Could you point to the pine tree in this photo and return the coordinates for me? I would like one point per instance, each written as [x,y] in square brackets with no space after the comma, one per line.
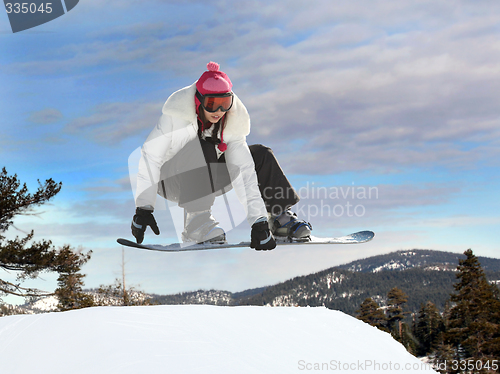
[369,311]
[25,257]
[428,328]
[474,320]
[396,298]
[70,282]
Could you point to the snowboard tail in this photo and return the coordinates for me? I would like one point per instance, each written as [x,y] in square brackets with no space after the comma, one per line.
[355,238]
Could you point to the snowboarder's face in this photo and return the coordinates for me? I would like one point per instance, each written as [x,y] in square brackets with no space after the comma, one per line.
[215,116]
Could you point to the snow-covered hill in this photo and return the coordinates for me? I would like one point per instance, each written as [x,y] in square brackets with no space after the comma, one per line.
[198,339]
[43,305]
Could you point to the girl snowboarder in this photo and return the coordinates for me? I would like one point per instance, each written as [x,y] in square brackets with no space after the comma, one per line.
[198,151]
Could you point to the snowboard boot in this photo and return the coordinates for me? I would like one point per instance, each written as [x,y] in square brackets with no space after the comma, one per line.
[201,227]
[289,226]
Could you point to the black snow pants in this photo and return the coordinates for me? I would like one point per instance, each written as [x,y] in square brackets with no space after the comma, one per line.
[195,176]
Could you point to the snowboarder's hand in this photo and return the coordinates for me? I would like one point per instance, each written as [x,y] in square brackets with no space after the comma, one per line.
[142,219]
[262,238]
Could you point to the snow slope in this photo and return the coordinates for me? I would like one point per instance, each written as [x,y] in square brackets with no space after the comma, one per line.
[198,339]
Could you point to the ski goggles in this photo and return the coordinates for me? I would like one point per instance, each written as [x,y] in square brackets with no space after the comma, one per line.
[213,102]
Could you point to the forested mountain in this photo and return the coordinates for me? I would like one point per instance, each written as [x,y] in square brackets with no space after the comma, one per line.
[424,275]
[345,290]
[426,259]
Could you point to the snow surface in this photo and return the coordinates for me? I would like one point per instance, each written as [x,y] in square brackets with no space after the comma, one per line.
[198,339]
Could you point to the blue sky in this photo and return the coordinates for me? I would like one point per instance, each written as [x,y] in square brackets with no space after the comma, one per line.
[399,97]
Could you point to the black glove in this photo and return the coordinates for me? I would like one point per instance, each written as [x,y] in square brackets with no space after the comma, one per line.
[262,238]
[142,219]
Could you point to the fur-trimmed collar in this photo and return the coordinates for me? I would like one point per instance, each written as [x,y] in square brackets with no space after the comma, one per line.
[181,105]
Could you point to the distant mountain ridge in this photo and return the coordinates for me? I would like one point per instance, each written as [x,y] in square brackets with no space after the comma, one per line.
[421,258]
[424,275]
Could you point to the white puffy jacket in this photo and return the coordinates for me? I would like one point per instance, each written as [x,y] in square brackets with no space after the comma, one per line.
[177,126]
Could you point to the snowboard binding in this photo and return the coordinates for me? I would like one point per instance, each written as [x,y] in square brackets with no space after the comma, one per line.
[288,228]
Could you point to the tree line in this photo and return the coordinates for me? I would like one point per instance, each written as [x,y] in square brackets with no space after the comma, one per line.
[345,290]
[463,338]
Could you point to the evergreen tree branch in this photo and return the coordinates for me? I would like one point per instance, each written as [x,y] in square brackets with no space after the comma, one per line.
[17,290]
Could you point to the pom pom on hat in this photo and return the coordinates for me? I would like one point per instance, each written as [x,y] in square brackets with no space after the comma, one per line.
[213,66]
[213,81]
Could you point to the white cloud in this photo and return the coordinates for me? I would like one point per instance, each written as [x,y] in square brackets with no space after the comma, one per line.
[45,116]
[110,123]
[409,99]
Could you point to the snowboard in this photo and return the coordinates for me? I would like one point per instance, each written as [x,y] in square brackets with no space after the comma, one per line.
[355,238]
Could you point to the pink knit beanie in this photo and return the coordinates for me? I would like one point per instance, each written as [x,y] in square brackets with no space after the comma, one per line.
[213,81]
